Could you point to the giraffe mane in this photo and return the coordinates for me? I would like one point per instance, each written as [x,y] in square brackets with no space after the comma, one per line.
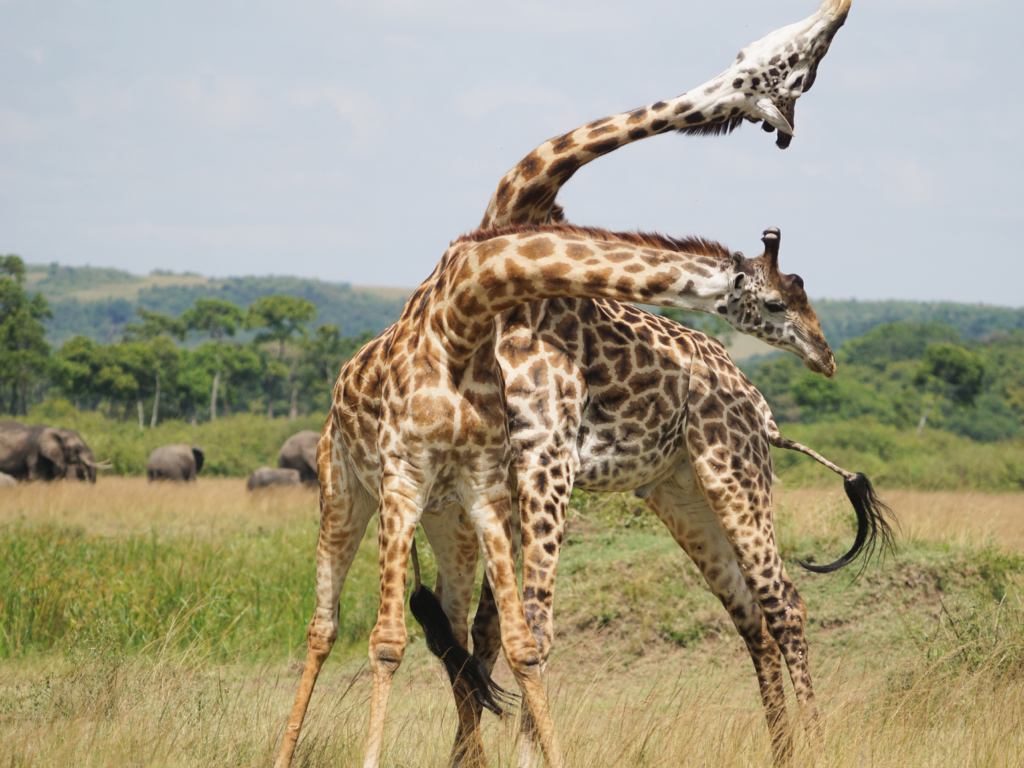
[694,245]
[712,129]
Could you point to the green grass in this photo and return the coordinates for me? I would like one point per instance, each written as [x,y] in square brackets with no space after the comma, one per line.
[894,459]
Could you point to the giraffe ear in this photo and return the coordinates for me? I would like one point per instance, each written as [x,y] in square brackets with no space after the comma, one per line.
[771,114]
[738,283]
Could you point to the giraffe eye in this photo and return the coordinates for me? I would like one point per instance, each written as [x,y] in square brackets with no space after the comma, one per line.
[775,306]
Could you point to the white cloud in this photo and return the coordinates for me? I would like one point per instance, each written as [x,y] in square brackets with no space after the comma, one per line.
[355,107]
[220,99]
[477,102]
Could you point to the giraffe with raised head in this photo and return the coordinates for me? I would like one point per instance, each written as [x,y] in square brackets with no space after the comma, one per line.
[350,470]
[762,84]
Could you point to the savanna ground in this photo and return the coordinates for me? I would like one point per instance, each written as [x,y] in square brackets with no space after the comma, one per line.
[163,626]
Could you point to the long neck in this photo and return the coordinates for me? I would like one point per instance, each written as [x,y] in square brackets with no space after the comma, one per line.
[486,277]
[526,194]
[763,83]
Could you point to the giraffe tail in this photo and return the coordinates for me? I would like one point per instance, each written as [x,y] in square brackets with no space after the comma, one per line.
[458,663]
[875,520]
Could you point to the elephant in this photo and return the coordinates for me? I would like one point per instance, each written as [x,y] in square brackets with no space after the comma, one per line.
[6,481]
[299,452]
[175,462]
[267,476]
[39,452]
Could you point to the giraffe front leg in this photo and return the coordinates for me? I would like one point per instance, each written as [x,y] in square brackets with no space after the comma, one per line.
[544,491]
[681,506]
[455,547]
[344,512]
[400,512]
[490,511]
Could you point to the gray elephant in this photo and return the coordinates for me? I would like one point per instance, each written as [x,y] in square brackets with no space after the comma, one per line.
[175,462]
[267,476]
[299,452]
[39,452]
[6,481]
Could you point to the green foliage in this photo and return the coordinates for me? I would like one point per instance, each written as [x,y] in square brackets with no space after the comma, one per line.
[846,319]
[906,375]
[23,348]
[154,325]
[215,317]
[894,342]
[98,302]
[951,371]
[895,458]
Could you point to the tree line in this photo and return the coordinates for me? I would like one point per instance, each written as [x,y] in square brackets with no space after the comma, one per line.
[148,374]
[909,376]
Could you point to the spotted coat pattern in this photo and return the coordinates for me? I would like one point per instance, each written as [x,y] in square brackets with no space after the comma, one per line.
[350,470]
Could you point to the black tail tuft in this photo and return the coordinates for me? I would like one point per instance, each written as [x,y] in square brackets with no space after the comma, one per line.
[874,526]
[437,630]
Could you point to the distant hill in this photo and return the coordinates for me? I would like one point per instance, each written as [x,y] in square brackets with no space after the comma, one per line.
[98,301]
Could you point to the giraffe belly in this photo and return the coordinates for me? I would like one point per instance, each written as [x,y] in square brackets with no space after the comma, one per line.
[609,466]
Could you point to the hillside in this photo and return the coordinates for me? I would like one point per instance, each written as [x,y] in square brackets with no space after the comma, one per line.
[98,301]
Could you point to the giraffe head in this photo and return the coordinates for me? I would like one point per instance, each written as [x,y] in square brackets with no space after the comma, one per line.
[769,75]
[773,307]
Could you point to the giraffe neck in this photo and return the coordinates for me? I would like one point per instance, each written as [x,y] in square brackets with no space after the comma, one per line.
[526,194]
[484,274]
[763,83]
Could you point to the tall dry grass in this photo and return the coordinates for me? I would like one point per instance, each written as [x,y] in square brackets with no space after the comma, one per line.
[918,663]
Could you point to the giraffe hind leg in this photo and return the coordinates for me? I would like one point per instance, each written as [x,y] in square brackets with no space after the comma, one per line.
[455,547]
[694,526]
[745,515]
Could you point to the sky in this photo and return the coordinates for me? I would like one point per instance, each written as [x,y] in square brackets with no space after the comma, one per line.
[352,141]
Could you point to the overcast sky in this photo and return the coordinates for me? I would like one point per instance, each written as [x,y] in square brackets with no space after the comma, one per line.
[353,141]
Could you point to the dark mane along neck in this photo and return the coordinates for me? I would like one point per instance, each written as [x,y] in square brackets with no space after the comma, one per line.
[693,245]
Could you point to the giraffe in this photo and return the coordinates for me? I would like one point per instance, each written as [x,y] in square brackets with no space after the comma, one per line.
[675,422]
[762,84]
[350,472]
[376,446]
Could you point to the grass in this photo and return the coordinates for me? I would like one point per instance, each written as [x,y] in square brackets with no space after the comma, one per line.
[936,461]
[161,625]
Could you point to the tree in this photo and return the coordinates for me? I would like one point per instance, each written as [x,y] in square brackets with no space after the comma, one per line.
[216,318]
[153,326]
[321,360]
[24,352]
[949,371]
[279,318]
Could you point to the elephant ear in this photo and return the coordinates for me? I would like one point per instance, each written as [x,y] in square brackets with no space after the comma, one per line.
[197,453]
[51,448]
[309,456]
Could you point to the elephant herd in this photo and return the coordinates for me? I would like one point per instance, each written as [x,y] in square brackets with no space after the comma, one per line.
[41,452]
